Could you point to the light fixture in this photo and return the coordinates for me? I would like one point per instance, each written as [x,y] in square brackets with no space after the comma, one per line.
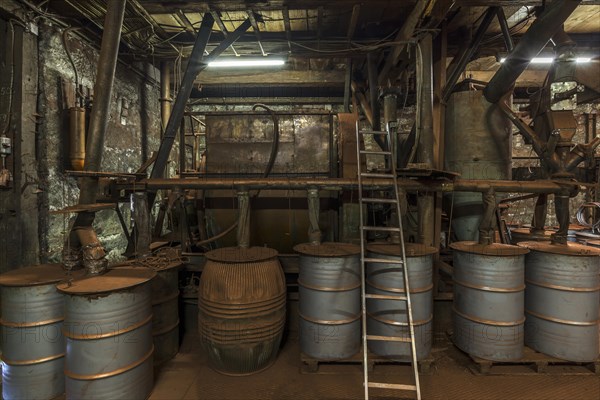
[246,62]
[550,60]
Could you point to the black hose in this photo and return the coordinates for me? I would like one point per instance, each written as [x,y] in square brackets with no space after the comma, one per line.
[70,57]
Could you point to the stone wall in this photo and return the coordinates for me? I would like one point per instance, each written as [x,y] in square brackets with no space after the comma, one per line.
[133,134]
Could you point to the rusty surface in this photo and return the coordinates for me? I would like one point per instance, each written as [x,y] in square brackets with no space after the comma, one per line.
[112,281]
[328,249]
[35,275]
[347,144]
[241,255]
[494,249]
[242,144]
[569,249]
[412,249]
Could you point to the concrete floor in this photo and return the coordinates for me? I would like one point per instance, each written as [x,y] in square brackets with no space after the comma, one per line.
[188,377]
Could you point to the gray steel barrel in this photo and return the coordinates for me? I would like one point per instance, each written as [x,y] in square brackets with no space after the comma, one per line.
[525,235]
[241,302]
[165,311]
[108,330]
[561,300]
[488,312]
[390,317]
[32,341]
[329,289]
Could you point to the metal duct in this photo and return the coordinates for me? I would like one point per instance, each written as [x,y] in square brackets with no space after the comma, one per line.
[532,42]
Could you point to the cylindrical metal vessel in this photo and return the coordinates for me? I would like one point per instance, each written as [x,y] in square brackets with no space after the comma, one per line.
[561,300]
[241,301]
[77,137]
[329,290]
[488,313]
[478,145]
[390,317]
[32,341]
[108,330]
[165,311]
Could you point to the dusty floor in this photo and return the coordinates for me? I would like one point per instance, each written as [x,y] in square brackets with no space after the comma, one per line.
[188,377]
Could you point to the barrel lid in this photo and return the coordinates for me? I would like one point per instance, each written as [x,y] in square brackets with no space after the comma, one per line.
[568,249]
[593,243]
[241,254]
[113,280]
[328,249]
[155,263]
[412,249]
[36,275]
[587,235]
[538,234]
[494,249]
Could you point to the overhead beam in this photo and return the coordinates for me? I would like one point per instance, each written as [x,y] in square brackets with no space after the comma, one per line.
[353,21]
[216,15]
[281,77]
[254,23]
[288,26]
[184,20]
[405,34]
[195,65]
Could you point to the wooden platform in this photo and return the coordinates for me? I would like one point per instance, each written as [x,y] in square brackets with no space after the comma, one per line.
[311,365]
[536,363]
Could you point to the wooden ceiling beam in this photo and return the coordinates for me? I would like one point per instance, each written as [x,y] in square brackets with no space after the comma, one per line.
[353,21]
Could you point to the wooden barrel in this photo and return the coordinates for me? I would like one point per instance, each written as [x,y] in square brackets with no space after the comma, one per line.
[241,303]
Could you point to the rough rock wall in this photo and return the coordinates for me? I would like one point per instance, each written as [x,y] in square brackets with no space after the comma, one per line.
[133,134]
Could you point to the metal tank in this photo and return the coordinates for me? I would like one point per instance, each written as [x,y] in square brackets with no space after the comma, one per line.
[165,311]
[241,301]
[329,291]
[108,330]
[561,300]
[389,317]
[525,235]
[32,314]
[478,145]
[488,313]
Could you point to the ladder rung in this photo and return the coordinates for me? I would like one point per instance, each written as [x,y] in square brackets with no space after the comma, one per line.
[394,386]
[376,175]
[376,152]
[374,200]
[388,338]
[384,297]
[381,228]
[383,261]
[369,132]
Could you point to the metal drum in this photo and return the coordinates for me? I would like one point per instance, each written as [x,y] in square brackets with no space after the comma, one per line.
[488,312]
[108,330]
[329,290]
[32,340]
[165,311]
[389,317]
[241,301]
[561,300]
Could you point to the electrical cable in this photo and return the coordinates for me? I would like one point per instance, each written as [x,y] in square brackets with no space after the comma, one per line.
[418,124]
[64,36]
[11,86]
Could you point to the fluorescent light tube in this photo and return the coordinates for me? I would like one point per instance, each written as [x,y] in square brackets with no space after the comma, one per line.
[550,60]
[246,63]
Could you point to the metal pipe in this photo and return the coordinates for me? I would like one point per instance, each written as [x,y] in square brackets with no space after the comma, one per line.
[530,44]
[314,232]
[243,231]
[165,93]
[469,52]
[487,224]
[105,77]
[505,29]
[282,183]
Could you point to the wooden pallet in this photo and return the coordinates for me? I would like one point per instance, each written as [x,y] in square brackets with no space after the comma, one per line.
[311,365]
[537,363]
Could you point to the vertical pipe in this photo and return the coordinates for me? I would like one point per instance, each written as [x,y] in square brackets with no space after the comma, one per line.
[107,63]
[425,146]
[140,213]
[165,94]
[314,233]
[373,92]
[182,147]
[504,28]
[243,229]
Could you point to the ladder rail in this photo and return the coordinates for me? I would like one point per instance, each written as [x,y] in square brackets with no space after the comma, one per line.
[363,231]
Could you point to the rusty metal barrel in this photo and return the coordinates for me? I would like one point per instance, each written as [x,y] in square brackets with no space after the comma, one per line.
[390,317]
[329,291]
[108,331]
[165,311]
[489,288]
[241,301]
[561,300]
[32,315]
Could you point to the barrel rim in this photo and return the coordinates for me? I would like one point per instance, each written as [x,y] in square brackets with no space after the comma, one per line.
[561,321]
[488,321]
[562,288]
[37,275]
[114,280]
[119,371]
[493,249]
[130,328]
[399,290]
[411,249]
[568,249]
[237,255]
[328,249]
[489,288]
[31,362]
[331,322]
[329,289]
[399,323]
